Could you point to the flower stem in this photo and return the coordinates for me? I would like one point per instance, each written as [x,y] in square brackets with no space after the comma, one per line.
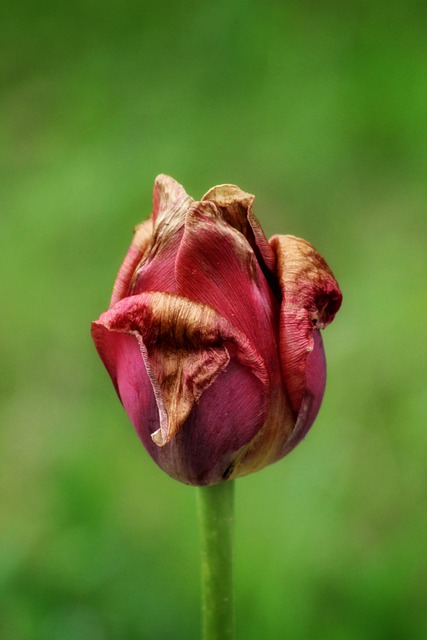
[216,512]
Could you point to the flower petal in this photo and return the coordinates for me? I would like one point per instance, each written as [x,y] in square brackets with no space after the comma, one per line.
[140,241]
[156,271]
[170,203]
[227,276]
[163,351]
[236,206]
[311,298]
[228,416]
[315,375]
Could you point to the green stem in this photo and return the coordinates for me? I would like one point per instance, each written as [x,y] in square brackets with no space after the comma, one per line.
[216,512]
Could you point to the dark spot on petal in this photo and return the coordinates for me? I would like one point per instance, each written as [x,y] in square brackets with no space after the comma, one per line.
[229,470]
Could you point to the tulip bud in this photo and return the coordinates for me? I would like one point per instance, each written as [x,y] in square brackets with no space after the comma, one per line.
[212,337]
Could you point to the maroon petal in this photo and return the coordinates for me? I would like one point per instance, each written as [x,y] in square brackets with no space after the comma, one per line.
[228,416]
[311,298]
[216,265]
[192,385]
[315,382]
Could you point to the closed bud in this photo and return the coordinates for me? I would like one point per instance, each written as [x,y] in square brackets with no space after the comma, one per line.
[212,339]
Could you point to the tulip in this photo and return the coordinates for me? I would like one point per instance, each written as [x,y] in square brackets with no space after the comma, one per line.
[212,338]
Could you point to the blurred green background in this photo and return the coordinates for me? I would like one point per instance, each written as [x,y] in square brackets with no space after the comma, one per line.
[320,109]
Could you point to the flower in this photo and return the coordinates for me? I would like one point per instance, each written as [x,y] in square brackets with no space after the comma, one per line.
[212,337]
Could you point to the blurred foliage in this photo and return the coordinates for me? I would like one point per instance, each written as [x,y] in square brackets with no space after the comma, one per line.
[320,110]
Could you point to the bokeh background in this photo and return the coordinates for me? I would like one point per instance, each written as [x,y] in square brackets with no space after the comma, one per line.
[320,109]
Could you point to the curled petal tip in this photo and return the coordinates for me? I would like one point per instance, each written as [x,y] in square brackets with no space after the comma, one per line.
[158,438]
[310,300]
[169,198]
[225,195]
